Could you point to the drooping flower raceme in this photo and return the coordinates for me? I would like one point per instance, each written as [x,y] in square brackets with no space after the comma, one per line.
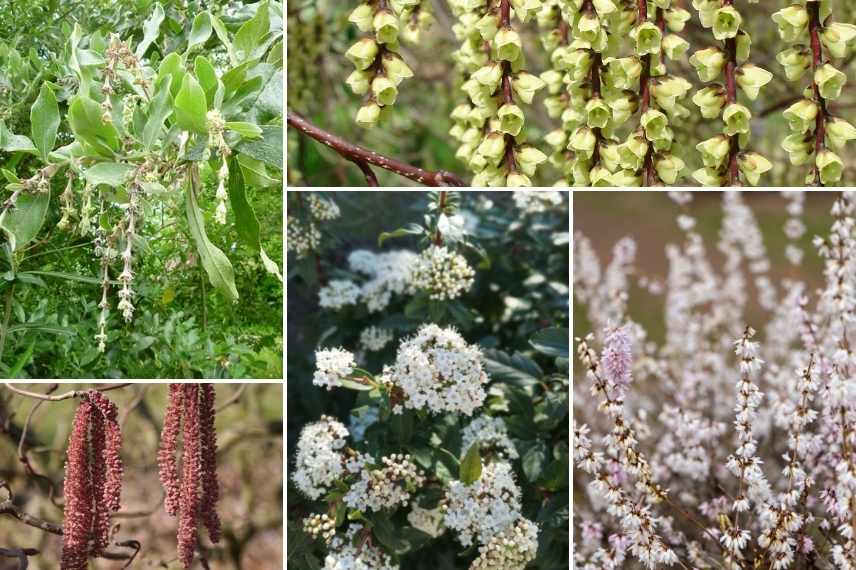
[379,67]
[815,41]
[320,460]
[490,125]
[442,273]
[645,157]
[192,492]
[93,480]
[436,369]
[727,162]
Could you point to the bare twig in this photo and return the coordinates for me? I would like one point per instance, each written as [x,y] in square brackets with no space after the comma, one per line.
[364,157]
[19,553]
[65,396]
[233,399]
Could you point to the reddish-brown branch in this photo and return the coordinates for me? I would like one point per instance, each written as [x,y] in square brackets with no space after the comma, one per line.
[505,86]
[814,25]
[731,94]
[595,92]
[66,396]
[356,153]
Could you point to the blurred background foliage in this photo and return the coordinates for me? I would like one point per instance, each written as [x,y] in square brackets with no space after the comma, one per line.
[522,289]
[417,132]
[249,433]
[183,328]
[650,218]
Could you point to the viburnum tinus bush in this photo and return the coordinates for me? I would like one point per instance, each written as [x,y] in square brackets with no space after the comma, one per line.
[576,92]
[428,381]
[708,444]
[125,143]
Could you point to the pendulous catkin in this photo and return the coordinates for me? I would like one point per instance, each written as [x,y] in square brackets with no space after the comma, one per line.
[194,496]
[93,480]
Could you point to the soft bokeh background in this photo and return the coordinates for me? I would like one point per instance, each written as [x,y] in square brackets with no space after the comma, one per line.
[249,434]
[649,218]
[319,34]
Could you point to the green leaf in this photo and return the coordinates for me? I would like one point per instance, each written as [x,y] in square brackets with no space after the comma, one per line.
[223,35]
[190,107]
[267,149]
[246,130]
[66,276]
[23,222]
[384,531]
[159,109]
[200,31]
[44,121]
[11,142]
[171,66]
[151,30]
[110,173]
[534,459]
[552,341]
[39,327]
[207,76]
[256,173]
[356,386]
[215,262]
[471,466]
[96,136]
[408,230]
[246,222]
[517,369]
[252,33]
[22,361]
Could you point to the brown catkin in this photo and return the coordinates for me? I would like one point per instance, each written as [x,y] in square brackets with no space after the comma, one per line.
[93,480]
[193,496]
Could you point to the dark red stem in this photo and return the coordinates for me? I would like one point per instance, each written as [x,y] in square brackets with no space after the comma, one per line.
[358,154]
[814,28]
[731,94]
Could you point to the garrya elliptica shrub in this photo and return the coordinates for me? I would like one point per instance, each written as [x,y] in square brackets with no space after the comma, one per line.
[176,123]
[708,444]
[594,92]
[441,367]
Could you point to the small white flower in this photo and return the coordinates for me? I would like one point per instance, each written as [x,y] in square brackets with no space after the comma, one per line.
[331,366]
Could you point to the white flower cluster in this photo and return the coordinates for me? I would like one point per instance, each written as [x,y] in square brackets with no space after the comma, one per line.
[331,366]
[429,521]
[345,555]
[437,369]
[320,526]
[301,238]
[385,486]
[537,201]
[512,549]
[320,459]
[321,209]
[374,338]
[492,436]
[338,293]
[443,273]
[389,274]
[486,508]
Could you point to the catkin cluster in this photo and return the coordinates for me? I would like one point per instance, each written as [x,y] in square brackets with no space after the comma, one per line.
[379,67]
[490,125]
[815,40]
[191,492]
[93,480]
